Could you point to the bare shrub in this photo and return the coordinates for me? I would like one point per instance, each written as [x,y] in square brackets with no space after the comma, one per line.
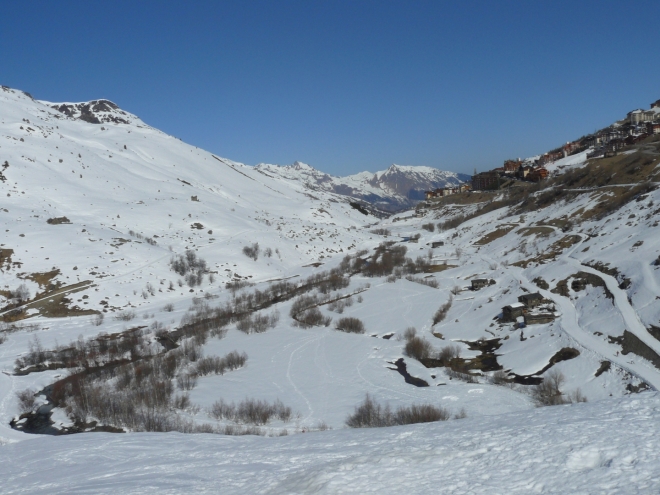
[381,231]
[169,307]
[126,315]
[350,325]
[181,401]
[500,377]
[258,323]
[429,282]
[251,411]
[21,293]
[455,290]
[465,377]
[418,348]
[219,366]
[186,381]
[26,400]
[548,392]
[370,414]
[409,333]
[442,311]
[312,318]
[448,353]
[268,252]
[188,262]
[429,226]
[97,321]
[252,251]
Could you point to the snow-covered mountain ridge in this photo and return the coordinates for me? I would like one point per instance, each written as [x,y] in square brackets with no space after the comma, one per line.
[399,187]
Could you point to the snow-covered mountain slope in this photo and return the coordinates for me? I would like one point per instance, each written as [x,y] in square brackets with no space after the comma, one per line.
[606,447]
[399,187]
[124,200]
[108,189]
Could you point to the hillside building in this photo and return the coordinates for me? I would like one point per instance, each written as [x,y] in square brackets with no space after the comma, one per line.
[530,300]
[485,181]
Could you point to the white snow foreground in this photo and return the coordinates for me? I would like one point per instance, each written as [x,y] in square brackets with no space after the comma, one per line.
[603,447]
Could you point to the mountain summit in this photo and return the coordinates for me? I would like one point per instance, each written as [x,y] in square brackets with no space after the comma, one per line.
[397,188]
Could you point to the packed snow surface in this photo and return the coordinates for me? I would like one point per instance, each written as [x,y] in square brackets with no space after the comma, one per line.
[607,447]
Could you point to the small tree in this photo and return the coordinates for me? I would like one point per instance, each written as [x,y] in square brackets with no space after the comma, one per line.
[22,293]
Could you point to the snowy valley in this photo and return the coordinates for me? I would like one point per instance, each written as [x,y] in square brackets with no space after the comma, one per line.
[243,313]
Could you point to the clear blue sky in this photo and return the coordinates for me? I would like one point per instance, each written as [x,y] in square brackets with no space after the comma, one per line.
[345,85]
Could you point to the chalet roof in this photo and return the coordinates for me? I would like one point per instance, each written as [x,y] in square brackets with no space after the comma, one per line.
[515,305]
[480,280]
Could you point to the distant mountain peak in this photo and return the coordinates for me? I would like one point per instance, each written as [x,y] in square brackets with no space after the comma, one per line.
[397,188]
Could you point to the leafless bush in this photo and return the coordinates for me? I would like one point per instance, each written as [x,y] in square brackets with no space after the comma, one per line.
[409,333]
[181,401]
[465,377]
[219,366]
[250,411]
[312,318]
[190,267]
[252,251]
[339,305]
[126,315]
[455,290]
[186,381]
[258,323]
[429,282]
[381,231]
[26,400]
[442,311]
[21,293]
[350,325]
[429,226]
[237,285]
[418,348]
[169,307]
[548,392]
[97,321]
[370,414]
[268,252]
[448,353]
[500,377]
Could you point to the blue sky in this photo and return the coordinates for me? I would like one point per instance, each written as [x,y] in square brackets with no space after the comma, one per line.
[345,86]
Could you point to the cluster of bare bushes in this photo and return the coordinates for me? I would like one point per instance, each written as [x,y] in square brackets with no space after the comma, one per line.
[215,365]
[257,323]
[96,352]
[370,414]
[429,226]
[189,266]
[350,325]
[381,231]
[140,395]
[7,328]
[548,392]
[464,376]
[442,311]
[21,294]
[339,305]
[137,235]
[250,411]
[429,282]
[252,251]
[389,260]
